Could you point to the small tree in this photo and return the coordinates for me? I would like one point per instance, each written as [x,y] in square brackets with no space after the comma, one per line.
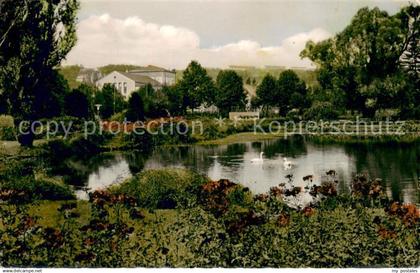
[111,100]
[230,91]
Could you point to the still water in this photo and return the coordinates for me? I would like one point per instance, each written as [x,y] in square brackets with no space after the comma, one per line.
[398,165]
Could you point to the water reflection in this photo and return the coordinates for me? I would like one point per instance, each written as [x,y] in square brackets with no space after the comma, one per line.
[397,165]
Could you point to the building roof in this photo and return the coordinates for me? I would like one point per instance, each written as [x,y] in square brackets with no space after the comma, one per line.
[151,68]
[140,79]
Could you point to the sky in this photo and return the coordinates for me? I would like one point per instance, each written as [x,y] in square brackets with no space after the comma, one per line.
[217,33]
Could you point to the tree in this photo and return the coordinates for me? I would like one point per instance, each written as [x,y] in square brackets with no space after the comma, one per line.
[77,104]
[356,60]
[111,100]
[35,36]
[230,91]
[155,102]
[267,91]
[175,99]
[196,86]
[135,111]
[291,93]
[410,59]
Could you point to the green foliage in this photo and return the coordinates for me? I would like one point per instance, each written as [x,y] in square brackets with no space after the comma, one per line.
[111,100]
[230,92]
[291,92]
[30,48]
[196,86]
[114,230]
[175,99]
[135,111]
[70,73]
[321,111]
[267,92]
[77,104]
[32,189]
[168,188]
[155,102]
[361,67]
[7,128]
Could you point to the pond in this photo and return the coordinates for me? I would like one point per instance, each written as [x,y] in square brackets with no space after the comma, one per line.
[397,164]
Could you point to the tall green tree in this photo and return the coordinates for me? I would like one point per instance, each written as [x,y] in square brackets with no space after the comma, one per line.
[175,99]
[291,93]
[196,86]
[267,91]
[35,36]
[135,111]
[354,62]
[230,92]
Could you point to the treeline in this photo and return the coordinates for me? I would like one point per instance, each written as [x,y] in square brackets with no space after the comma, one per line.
[195,89]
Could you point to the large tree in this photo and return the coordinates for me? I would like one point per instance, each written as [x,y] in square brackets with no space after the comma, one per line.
[267,92]
[291,92]
[230,92]
[196,86]
[353,64]
[35,36]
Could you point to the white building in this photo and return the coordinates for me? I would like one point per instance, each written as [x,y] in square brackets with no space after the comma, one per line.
[161,75]
[127,83]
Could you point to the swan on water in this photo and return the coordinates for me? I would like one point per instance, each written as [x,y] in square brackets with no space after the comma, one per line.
[258,160]
[287,164]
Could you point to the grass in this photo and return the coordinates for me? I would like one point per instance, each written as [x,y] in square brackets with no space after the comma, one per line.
[12,148]
[241,137]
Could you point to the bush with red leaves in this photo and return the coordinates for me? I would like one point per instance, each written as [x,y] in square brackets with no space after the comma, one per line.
[365,187]
[283,219]
[408,213]
[326,189]
[245,220]
[308,211]
[214,196]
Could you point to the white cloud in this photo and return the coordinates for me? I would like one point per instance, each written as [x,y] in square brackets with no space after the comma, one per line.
[106,40]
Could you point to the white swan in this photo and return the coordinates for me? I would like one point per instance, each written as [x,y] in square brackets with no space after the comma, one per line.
[287,164]
[258,160]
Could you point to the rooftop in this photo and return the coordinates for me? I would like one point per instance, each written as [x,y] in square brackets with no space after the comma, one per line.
[151,68]
[140,79]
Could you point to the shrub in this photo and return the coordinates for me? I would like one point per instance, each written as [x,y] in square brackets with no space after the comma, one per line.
[7,128]
[165,188]
[29,189]
[321,110]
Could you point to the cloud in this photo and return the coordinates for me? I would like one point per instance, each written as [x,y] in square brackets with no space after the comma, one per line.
[106,40]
